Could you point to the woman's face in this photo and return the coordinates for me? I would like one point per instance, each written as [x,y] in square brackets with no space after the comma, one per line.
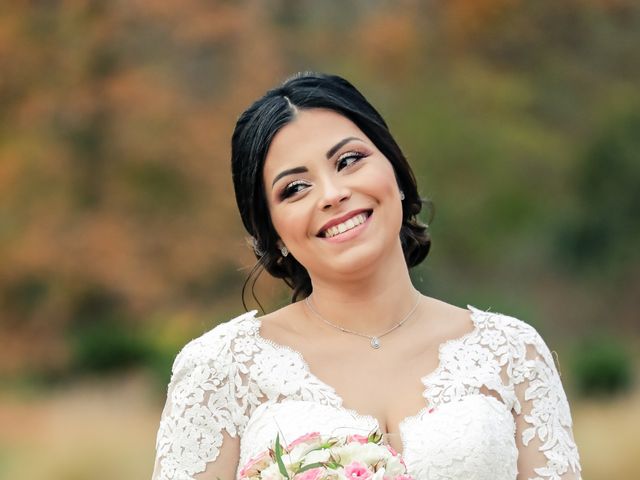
[333,196]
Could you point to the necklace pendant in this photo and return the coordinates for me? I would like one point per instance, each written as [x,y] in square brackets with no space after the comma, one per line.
[375,342]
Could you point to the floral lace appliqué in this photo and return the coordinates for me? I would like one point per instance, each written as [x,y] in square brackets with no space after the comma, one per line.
[231,379]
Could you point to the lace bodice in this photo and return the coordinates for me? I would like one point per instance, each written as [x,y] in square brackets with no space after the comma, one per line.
[494,395]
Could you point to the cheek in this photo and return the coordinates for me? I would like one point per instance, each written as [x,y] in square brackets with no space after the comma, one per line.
[290,225]
[383,182]
[384,187]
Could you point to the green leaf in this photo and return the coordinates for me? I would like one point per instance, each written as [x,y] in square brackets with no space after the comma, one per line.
[281,467]
[310,466]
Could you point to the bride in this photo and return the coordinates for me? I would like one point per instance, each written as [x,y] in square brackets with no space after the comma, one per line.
[331,204]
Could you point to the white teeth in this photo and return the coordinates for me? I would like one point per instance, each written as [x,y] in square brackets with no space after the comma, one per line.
[347,225]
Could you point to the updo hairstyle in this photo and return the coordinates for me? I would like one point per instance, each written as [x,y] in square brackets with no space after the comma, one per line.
[251,140]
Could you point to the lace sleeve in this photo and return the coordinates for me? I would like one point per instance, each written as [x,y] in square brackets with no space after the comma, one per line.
[200,409]
[545,440]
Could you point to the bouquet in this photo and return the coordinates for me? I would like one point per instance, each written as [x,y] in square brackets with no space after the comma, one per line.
[316,457]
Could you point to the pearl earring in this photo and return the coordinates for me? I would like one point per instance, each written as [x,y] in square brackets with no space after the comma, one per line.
[401,195]
[284,251]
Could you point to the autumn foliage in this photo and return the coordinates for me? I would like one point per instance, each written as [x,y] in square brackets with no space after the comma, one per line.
[117,217]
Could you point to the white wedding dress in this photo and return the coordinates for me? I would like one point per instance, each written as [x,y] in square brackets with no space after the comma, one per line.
[232,380]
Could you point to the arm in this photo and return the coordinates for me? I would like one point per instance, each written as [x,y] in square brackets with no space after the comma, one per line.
[545,441]
[198,434]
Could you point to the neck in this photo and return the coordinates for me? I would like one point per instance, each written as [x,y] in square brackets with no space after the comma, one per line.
[370,303]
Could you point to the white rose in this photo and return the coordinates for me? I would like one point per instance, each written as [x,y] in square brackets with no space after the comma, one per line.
[271,473]
[296,454]
[370,453]
[394,466]
[347,453]
[379,475]
[316,456]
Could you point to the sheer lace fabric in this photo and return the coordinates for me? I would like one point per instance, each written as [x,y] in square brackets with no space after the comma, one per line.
[232,380]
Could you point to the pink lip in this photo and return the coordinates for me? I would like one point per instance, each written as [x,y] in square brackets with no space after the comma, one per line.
[351,233]
[341,219]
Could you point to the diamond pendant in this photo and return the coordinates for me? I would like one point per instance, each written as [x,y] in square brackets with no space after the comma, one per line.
[375,342]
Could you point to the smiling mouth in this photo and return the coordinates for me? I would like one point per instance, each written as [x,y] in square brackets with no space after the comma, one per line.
[347,225]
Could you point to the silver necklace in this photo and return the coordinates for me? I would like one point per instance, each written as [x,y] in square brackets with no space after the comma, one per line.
[374,340]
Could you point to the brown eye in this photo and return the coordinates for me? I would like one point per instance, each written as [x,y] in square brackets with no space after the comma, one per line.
[347,159]
[293,188]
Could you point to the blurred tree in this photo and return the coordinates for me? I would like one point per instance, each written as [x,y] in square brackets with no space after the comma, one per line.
[601,365]
[115,119]
[605,232]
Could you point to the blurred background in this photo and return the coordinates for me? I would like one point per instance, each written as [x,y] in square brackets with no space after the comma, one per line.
[120,241]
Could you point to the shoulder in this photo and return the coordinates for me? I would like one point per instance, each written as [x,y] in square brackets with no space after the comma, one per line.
[215,346]
[506,331]
[507,324]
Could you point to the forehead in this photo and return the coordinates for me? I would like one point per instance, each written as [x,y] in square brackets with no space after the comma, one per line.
[307,138]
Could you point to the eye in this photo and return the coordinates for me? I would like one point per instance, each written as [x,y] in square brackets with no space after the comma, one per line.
[348,158]
[293,188]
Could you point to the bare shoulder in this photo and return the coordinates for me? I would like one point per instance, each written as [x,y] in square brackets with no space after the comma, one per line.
[283,323]
[280,317]
[452,321]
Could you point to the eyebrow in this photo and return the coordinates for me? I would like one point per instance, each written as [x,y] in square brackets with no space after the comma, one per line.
[330,153]
[290,171]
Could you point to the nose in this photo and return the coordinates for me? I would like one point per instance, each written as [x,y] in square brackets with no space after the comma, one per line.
[333,193]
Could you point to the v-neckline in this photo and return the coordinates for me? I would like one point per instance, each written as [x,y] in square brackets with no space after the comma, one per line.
[473,313]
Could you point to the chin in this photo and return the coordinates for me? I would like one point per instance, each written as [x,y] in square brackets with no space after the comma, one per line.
[356,261]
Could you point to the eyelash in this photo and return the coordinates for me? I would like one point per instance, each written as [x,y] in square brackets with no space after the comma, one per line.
[356,156]
[290,189]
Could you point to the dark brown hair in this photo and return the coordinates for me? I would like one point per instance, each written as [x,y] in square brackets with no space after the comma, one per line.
[252,138]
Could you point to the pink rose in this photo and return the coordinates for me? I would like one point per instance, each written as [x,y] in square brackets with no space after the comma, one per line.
[307,437]
[357,470]
[255,465]
[358,438]
[313,474]
[403,477]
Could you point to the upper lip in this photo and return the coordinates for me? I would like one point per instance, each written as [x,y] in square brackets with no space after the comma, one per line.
[342,218]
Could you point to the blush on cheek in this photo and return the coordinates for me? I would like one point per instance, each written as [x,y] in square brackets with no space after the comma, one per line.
[292,225]
[384,182]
